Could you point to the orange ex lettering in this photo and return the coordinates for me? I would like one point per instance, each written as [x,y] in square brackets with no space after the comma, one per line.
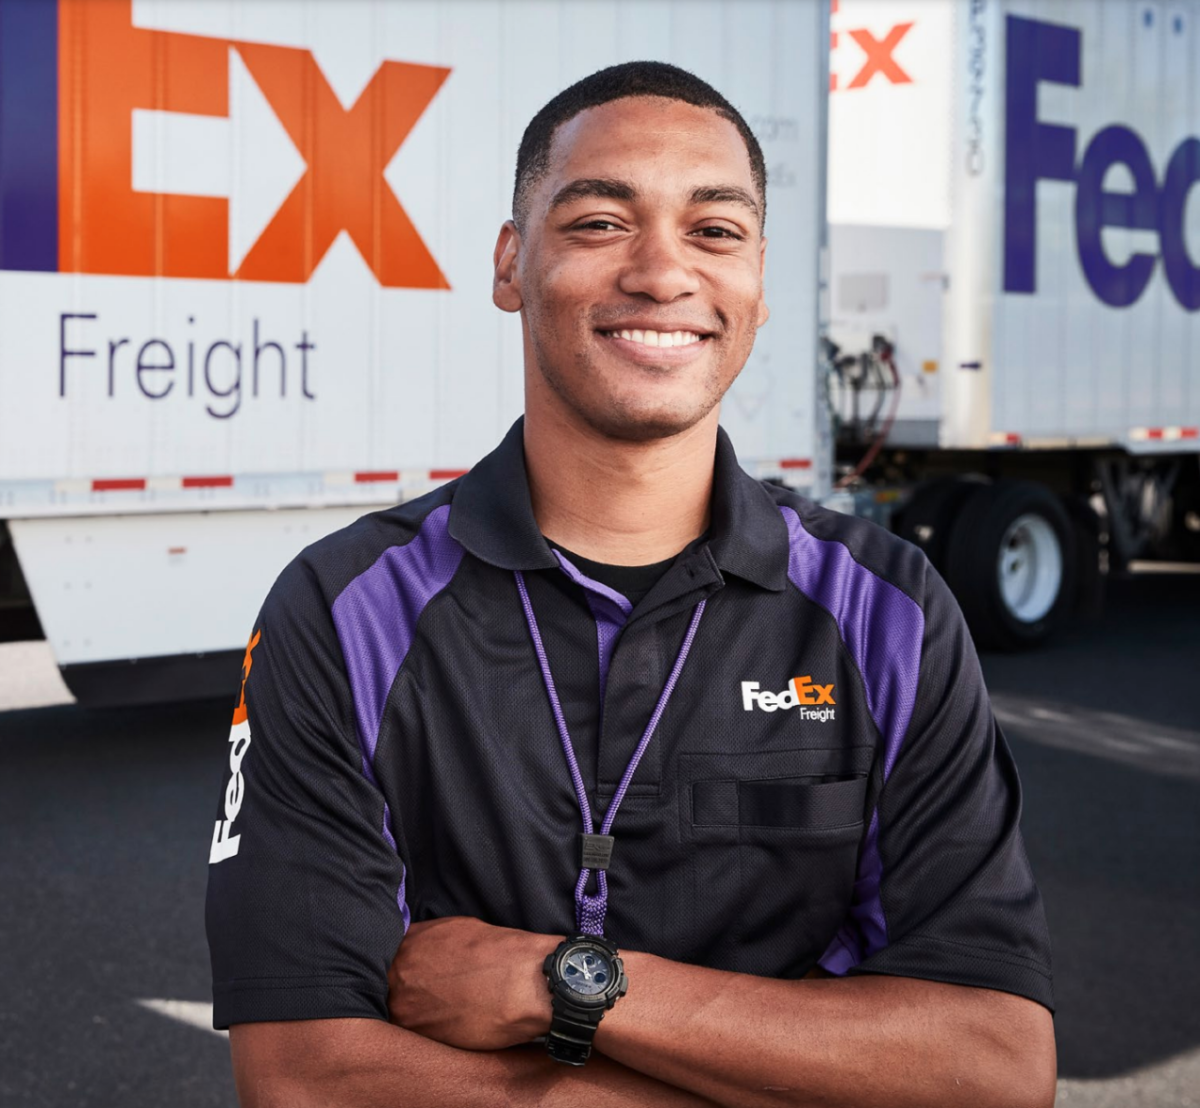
[109,71]
[808,693]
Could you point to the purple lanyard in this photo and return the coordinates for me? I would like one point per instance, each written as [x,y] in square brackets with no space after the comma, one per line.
[590,910]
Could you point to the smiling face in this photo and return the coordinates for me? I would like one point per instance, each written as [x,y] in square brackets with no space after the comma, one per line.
[638,273]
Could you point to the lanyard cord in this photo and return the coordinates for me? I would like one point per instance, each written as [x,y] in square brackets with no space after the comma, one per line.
[590,910]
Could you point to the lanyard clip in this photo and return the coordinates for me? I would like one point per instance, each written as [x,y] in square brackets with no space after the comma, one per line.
[595,851]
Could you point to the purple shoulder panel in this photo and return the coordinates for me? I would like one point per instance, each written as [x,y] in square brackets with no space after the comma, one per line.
[376,618]
[883,629]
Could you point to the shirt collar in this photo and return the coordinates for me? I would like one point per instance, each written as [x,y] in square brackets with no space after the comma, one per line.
[492,516]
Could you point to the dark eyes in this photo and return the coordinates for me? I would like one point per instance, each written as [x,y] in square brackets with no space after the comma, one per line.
[701,232]
[718,232]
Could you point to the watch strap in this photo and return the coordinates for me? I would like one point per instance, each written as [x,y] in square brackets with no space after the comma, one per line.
[572,1030]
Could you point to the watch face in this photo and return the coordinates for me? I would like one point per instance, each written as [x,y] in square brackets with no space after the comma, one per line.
[587,972]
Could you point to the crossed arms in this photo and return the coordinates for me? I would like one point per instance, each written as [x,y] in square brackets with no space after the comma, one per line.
[462,991]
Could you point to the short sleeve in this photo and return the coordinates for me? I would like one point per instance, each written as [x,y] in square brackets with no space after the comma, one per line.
[305,888]
[945,890]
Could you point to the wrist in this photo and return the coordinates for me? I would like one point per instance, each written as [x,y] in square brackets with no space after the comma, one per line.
[639,967]
[530,996]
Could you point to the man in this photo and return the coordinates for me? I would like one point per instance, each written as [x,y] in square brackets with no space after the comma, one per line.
[608,689]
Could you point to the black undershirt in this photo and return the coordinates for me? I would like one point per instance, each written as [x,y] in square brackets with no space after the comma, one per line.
[632,582]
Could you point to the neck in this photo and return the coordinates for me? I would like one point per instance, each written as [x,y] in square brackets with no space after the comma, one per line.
[624,503]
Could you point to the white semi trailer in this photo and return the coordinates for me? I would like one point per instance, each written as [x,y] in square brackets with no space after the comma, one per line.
[245,274]
[1014,233]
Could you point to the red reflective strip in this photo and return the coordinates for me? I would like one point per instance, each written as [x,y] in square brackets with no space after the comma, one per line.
[176,549]
[377,475]
[796,463]
[118,484]
[1012,438]
[1190,433]
[208,482]
[445,474]
[1154,433]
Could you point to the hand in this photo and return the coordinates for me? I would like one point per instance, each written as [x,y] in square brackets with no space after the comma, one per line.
[470,984]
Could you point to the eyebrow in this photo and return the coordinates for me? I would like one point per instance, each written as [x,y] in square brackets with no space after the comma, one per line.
[724,194]
[602,188]
[609,188]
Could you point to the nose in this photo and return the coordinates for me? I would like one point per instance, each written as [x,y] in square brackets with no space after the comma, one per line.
[658,266]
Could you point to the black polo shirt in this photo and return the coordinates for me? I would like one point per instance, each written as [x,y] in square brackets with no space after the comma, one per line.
[827,784]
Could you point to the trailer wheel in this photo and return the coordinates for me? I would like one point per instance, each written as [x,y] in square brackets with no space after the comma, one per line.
[1010,562]
[926,520]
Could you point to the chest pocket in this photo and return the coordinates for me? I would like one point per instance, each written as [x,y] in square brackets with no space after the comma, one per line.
[773,838]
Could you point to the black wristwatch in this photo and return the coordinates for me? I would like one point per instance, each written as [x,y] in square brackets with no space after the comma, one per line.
[586,978]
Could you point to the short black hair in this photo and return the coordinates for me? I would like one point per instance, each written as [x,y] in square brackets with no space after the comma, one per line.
[618,82]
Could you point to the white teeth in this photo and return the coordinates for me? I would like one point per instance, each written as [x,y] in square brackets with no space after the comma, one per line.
[659,338]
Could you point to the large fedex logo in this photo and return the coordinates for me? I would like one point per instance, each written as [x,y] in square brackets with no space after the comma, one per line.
[116,140]
[1037,151]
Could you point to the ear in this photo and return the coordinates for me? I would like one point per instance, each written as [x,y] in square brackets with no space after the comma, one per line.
[764,312]
[506,281]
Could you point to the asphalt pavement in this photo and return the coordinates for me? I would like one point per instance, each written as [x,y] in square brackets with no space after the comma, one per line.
[105,818]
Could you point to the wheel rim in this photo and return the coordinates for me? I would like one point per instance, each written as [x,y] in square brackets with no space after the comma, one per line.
[1030,567]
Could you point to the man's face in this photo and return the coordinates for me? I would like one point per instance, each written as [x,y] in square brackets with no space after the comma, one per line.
[639,272]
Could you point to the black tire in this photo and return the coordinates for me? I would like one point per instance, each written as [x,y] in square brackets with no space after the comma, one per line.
[973,563]
[1090,581]
[1185,540]
[927,518]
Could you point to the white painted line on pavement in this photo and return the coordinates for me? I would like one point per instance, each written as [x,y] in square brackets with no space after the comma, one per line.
[1153,747]
[195,1013]
[29,677]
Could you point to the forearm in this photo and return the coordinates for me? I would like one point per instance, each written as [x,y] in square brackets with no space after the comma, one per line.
[371,1064]
[748,1041]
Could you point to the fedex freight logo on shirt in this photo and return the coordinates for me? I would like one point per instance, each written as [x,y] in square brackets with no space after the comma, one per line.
[801,693]
[225,845]
[140,152]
